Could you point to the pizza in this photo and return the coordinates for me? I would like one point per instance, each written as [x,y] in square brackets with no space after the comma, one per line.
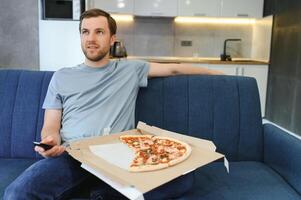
[155,152]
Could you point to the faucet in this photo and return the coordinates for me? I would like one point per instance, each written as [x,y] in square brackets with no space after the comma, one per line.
[224,56]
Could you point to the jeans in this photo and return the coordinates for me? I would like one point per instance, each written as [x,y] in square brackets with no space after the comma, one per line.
[57,178]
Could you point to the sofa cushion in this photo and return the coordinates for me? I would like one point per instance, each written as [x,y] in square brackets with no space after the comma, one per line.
[224,109]
[10,169]
[246,180]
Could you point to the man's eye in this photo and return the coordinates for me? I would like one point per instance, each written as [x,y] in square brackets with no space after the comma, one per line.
[84,32]
[100,32]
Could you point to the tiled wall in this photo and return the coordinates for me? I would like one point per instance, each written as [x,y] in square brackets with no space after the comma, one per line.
[148,36]
[208,40]
[162,37]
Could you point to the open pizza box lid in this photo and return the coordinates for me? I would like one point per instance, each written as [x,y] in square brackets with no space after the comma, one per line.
[203,152]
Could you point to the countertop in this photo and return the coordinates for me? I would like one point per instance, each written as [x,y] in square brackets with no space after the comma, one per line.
[199,60]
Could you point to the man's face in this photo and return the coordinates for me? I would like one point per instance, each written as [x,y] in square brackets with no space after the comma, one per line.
[96,38]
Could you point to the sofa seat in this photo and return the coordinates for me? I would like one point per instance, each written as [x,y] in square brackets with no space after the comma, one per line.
[10,169]
[246,181]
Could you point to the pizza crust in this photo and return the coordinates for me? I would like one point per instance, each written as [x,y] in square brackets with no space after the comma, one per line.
[146,168]
[136,136]
[182,158]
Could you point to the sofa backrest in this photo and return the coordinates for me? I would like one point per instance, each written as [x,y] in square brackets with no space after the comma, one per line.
[224,109]
[21,117]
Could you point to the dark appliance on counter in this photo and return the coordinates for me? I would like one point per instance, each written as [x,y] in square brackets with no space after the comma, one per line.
[62,9]
[118,50]
[224,56]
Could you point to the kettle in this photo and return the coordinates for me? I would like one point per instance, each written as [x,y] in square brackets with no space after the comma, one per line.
[118,50]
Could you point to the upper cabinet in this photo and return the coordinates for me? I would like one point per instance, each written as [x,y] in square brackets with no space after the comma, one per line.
[164,8]
[199,8]
[242,8]
[114,6]
[173,8]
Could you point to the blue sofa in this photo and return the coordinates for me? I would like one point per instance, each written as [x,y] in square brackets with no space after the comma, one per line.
[265,161]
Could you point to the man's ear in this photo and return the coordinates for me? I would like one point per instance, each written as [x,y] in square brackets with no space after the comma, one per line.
[113,39]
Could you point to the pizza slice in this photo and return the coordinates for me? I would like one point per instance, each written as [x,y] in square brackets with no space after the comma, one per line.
[137,142]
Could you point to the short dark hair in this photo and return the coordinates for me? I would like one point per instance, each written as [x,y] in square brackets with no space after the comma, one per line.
[95,12]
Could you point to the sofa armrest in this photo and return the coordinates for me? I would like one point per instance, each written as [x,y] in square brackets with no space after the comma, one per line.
[282,153]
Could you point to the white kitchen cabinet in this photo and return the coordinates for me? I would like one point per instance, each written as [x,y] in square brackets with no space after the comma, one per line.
[52,54]
[260,73]
[206,8]
[113,6]
[226,69]
[164,8]
[172,8]
[242,8]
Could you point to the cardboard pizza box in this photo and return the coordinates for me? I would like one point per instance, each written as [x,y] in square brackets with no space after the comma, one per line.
[107,167]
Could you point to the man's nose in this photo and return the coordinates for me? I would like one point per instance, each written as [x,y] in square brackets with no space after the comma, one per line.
[92,37]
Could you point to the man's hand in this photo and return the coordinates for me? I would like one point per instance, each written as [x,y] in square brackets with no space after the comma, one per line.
[56,150]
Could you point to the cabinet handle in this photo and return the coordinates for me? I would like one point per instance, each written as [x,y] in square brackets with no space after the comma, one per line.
[199,14]
[242,15]
[237,71]
[157,13]
[243,71]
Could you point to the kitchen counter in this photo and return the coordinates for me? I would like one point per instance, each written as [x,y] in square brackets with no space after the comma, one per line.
[205,60]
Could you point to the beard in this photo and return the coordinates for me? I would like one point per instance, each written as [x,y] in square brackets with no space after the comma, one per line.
[97,54]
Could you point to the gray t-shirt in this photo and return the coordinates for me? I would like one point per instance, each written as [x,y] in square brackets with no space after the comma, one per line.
[94,99]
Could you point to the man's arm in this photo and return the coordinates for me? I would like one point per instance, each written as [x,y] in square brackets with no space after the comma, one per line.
[160,70]
[51,133]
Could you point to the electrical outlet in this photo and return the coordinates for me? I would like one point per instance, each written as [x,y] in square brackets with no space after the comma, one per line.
[186,43]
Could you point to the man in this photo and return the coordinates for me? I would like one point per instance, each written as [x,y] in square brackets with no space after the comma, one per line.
[85,100]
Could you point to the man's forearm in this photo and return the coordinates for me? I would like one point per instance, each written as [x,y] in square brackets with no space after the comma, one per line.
[53,133]
[161,70]
[190,69]
[52,125]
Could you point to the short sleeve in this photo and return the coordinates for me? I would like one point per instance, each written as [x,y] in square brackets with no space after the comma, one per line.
[53,99]
[142,69]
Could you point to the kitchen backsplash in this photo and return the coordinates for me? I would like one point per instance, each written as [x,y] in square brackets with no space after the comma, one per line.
[208,40]
[148,36]
[163,37]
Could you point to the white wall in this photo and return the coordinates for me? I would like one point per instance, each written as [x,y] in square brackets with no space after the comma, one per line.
[59,44]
